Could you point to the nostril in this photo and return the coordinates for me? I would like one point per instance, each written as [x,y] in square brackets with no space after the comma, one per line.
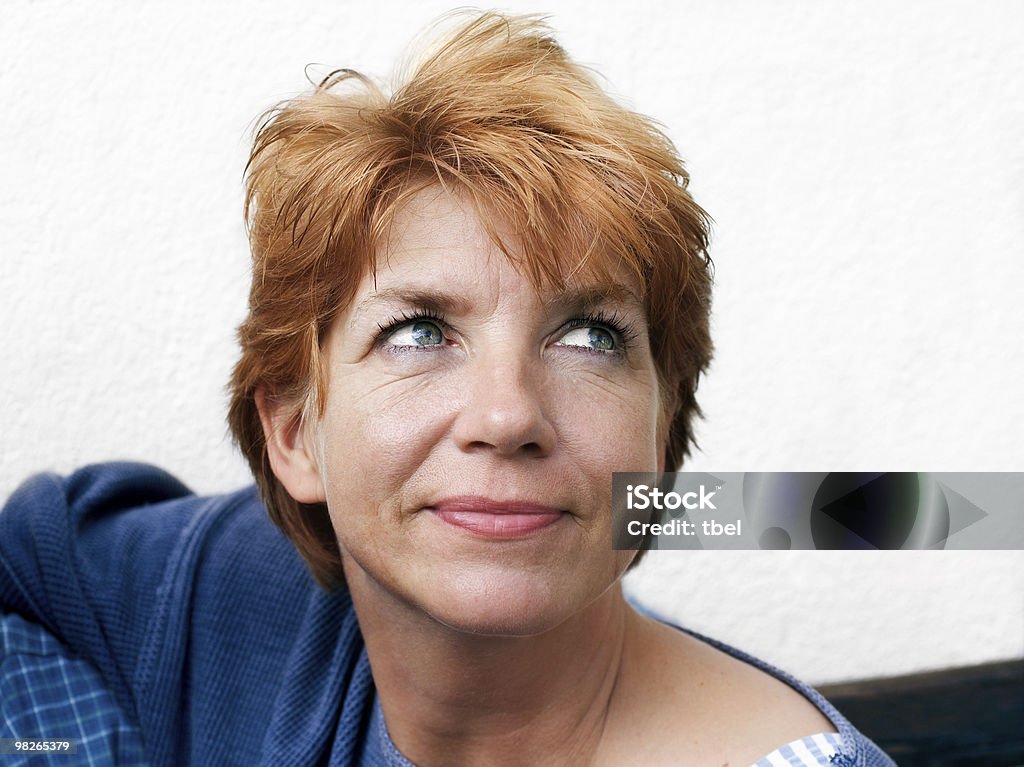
[528,449]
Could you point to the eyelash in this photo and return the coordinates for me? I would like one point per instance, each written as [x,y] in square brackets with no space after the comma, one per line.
[410,316]
[624,332]
[405,318]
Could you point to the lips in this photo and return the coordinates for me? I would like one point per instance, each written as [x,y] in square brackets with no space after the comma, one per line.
[495,519]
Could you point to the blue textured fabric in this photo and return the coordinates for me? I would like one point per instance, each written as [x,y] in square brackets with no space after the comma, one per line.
[197,626]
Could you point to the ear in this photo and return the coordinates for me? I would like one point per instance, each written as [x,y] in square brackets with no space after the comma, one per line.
[291,456]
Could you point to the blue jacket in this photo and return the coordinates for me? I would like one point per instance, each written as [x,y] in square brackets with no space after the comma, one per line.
[205,625]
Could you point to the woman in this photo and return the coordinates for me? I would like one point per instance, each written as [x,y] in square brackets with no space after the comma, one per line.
[472,301]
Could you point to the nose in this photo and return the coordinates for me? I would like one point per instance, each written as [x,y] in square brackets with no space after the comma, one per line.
[504,411]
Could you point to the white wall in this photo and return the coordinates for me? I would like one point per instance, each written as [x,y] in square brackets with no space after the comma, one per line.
[863,162]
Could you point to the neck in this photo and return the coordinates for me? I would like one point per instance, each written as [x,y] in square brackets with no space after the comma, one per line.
[453,697]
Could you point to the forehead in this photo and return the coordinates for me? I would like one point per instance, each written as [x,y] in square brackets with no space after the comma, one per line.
[443,238]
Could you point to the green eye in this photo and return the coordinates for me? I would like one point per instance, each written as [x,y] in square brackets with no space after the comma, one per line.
[426,334]
[600,339]
[417,334]
[592,337]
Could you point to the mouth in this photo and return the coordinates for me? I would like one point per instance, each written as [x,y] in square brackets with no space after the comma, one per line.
[495,519]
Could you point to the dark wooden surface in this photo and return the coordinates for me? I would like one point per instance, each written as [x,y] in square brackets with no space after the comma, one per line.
[964,717]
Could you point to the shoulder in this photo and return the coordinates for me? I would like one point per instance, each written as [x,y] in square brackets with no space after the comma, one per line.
[108,531]
[720,707]
[124,521]
[116,553]
[51,529]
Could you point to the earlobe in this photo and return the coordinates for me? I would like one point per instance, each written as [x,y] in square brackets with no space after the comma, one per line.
[291,456]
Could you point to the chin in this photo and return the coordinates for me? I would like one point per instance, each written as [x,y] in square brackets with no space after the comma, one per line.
[499,602]
[514,600]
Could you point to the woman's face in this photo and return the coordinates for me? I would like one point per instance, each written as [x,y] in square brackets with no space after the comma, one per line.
[472,426]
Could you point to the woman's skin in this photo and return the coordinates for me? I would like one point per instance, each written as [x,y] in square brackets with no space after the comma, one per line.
[465,453]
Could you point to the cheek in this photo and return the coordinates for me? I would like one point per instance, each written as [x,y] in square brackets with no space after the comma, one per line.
[608,426]
[375,437]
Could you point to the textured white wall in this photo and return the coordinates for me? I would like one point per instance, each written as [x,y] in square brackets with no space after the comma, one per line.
[863,162]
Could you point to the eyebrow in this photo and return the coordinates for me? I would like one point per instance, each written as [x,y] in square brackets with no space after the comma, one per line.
[594,295]
[431,300]
[444,303]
